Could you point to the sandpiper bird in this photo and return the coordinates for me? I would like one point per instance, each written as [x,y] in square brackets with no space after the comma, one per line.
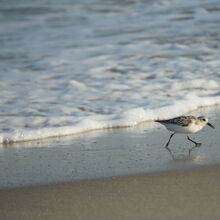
[185,124]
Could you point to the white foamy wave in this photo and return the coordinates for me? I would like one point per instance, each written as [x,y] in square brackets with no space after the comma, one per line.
[128,118]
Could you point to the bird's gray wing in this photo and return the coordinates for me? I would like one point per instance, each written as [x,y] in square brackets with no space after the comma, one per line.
[182,120]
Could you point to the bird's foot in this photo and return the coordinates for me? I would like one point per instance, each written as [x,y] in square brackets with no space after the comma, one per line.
[198,144]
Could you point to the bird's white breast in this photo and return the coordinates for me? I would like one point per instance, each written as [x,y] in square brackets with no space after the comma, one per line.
[191,128]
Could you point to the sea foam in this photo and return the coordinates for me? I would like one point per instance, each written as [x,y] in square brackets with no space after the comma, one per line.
[128,118]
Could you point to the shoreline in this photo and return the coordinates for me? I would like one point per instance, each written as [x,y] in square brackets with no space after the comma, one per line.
[63,132]
[108,153]
[181,194]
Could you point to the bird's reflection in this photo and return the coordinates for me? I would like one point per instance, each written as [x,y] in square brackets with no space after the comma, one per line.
[189,152]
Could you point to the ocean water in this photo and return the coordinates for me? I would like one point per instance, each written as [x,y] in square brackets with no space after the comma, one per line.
[73,66]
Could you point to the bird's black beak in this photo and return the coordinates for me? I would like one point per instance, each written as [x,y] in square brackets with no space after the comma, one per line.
[210,125]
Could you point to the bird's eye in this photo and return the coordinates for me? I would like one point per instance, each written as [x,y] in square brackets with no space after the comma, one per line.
[203,119]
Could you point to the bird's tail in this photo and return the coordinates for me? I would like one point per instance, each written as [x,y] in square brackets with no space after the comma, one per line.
[158,121]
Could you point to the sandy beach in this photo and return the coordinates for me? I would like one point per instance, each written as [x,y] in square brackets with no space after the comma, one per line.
[84,85]
[190,194]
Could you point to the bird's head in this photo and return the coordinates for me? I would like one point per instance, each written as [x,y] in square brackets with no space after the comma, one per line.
[205,121]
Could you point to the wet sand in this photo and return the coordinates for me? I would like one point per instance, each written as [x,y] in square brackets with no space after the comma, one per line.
[183,194]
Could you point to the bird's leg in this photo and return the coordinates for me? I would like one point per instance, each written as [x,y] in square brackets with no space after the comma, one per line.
[196,144]
[167,144]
